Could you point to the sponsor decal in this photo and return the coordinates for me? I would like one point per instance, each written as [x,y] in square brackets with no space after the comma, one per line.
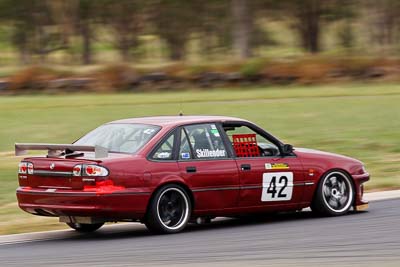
[52,165]
[206,153]
[149,131]
[215,132]
[276,166]
[185,155]
[163,155]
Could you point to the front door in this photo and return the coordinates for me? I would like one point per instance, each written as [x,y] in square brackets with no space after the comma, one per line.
[270,181]
[267,179]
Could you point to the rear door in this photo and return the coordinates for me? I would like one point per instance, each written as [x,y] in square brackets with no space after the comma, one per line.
[208,166]
[267,179]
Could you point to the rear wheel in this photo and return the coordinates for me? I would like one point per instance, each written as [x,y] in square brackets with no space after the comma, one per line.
[334,195]
[85,228]
[169,210]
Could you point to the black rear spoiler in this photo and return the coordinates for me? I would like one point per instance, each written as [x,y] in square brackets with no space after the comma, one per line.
[55,150]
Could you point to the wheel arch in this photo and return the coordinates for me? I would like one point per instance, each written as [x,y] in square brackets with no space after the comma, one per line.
[179,183]
[319,180]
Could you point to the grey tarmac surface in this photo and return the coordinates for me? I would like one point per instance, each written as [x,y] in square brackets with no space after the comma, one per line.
[369,238]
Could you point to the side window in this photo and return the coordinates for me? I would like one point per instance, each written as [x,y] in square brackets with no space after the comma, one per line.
[185,152]
[248,143]
[165,150]
[206,141]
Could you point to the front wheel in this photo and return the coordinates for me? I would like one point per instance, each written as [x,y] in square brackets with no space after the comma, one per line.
[85,228]
[334,195]
[169,210]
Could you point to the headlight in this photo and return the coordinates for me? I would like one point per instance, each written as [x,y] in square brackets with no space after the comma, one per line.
[363,169]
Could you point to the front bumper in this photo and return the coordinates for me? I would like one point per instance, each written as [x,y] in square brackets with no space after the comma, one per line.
[359,179]
[124,204]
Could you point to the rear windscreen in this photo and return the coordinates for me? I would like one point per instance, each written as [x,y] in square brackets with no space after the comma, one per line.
[124,138]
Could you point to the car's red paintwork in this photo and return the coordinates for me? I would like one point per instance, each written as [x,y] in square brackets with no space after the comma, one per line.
[218,188]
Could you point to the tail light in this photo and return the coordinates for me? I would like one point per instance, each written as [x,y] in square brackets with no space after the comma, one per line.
[100,186]
[94,170]
[77,170]
[30,168]
[25,167]
[89,170]
[22,167]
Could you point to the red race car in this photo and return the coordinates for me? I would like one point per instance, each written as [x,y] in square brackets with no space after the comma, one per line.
[167,171]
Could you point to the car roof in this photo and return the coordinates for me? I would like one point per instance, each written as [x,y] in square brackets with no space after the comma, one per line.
[177,120]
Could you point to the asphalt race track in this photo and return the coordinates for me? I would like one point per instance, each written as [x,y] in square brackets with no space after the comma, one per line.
[299,239]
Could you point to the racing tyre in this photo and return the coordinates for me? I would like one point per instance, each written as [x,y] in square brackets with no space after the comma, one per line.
[169,210]
[85,228]
[334,195]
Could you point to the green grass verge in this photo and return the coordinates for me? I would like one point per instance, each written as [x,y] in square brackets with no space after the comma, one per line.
[360,121]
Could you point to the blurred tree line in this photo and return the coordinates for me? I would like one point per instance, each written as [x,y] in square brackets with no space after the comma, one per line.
[42,27]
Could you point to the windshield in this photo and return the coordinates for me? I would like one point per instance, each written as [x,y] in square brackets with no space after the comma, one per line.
[125,138]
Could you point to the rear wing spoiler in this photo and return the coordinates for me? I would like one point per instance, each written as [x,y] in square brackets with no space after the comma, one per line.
[54,150]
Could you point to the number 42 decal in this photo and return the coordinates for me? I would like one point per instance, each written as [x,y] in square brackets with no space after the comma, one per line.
[277,186]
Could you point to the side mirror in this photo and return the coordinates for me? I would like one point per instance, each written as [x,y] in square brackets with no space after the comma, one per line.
[287,149]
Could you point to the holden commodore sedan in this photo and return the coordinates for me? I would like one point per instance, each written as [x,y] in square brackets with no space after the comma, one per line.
[170,170]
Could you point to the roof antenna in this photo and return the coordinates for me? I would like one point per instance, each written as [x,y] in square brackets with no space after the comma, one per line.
[181,111]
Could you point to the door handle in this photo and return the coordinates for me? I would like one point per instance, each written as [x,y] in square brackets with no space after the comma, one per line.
[245,167]
[191,169]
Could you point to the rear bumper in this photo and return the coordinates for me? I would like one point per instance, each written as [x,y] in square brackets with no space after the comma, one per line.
[124,204]
[359,180]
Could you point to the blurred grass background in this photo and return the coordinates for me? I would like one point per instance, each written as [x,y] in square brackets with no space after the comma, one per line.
[360,121]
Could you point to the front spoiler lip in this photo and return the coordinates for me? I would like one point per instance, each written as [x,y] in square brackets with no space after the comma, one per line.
[362,207]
